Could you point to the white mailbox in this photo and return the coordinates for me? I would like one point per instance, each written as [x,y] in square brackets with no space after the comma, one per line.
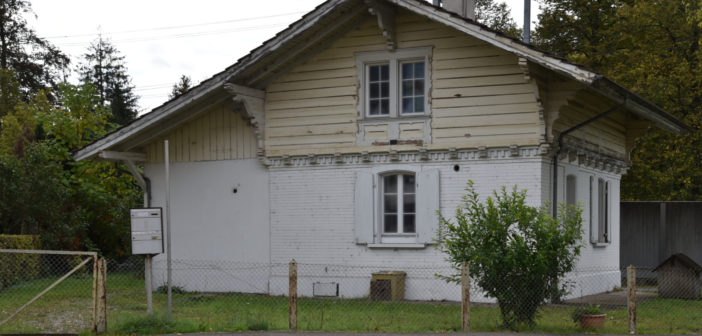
[147,231]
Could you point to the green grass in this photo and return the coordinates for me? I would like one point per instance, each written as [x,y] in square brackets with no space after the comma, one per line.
[68,308]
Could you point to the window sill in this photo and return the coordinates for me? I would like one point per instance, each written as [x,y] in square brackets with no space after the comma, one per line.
[397,246]
[600,244]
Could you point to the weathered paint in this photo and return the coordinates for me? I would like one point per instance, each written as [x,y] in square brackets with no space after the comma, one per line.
[479,95]
[219,134]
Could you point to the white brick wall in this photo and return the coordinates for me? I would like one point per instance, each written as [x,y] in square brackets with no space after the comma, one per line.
[312,217]
[312,220]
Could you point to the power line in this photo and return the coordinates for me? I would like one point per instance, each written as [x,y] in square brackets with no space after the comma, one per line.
[174,27]
[178,36]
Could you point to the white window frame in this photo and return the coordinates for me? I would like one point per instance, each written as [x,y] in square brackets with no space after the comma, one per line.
[400,236]
[394,59]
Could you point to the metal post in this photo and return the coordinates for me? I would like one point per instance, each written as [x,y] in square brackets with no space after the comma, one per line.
[149,291]
[526,34]
[465,298]
[168,229]
[631,298]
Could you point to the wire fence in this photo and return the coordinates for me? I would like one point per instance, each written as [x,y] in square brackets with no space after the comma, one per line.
[230,296]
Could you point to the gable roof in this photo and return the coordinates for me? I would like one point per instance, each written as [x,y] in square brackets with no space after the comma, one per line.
[682,259]
[336,13]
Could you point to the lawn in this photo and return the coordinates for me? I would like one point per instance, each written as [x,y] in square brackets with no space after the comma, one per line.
[68,309]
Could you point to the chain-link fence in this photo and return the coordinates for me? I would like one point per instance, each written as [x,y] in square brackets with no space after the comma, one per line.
[46,292]
[232,296]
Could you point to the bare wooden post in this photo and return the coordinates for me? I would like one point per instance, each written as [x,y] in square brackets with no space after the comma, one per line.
[465,298]
[95,291]
[293,296]
[631,298]
[101,321]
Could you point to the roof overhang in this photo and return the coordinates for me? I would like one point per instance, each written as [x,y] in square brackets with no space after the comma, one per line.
[302,31]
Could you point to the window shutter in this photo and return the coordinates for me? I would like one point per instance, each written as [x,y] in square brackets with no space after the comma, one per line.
[427,205]
[364,213]
[594,218]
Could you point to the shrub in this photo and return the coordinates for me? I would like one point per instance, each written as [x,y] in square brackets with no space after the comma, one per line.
[516,253]
[579,312]
[16,267]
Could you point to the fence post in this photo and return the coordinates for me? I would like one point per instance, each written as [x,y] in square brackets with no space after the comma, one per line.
[293,296]
[95,290]
[465,298]
[631,297]
[101,321]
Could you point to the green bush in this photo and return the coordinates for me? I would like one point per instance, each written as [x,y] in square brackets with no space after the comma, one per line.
[580,312]
[515,252]
[17,266]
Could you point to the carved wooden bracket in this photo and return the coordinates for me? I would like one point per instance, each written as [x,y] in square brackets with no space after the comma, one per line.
[386,20]
[252,101]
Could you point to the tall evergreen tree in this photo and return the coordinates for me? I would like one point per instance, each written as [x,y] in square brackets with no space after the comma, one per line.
[33,61]
[104,68]
[183,85]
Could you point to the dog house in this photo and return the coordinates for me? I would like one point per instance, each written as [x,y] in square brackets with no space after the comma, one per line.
[679,277]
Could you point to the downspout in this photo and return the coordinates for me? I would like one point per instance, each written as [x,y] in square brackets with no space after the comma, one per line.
[559,141]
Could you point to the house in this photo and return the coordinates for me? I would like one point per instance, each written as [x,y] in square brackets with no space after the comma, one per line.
[337,140]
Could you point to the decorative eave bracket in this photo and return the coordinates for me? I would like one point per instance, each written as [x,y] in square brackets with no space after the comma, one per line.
[128,158]
[253,102]
[386,20]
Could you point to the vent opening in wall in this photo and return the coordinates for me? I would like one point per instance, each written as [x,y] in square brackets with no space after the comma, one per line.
[456,168]
[325,289]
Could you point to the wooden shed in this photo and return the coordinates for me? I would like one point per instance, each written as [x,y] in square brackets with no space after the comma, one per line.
[679,277]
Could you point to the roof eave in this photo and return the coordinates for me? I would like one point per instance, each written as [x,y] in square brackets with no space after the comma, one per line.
[640,106]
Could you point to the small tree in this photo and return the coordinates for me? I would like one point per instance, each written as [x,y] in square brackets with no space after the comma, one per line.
[516,252]
[183,85]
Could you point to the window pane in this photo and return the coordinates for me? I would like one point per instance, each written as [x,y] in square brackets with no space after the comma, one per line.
[407,88]
[407,70]
[385,106]
[419,70]
[419,104]
[385,89]
[409,226]
[407,105]
[390,204]
[374,72]
[408,183]
[374,107]
[390,223]
[390,184]
[384,72]
[374,90]
[408,204]
[418,87]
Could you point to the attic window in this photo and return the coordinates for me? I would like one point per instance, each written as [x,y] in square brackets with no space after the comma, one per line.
[394,84]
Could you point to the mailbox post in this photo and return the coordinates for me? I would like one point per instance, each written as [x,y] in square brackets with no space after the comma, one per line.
[147,239]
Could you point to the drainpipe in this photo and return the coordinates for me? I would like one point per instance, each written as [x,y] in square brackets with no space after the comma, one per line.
[559,141]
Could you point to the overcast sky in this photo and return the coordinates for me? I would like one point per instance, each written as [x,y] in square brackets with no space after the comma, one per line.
[163,40]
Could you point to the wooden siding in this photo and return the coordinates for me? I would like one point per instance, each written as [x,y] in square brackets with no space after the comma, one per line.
[606,136]
[219,134]
[479,94]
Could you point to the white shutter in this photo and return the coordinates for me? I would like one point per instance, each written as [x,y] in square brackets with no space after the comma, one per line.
[594,218]
[427,205]
[364,210]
